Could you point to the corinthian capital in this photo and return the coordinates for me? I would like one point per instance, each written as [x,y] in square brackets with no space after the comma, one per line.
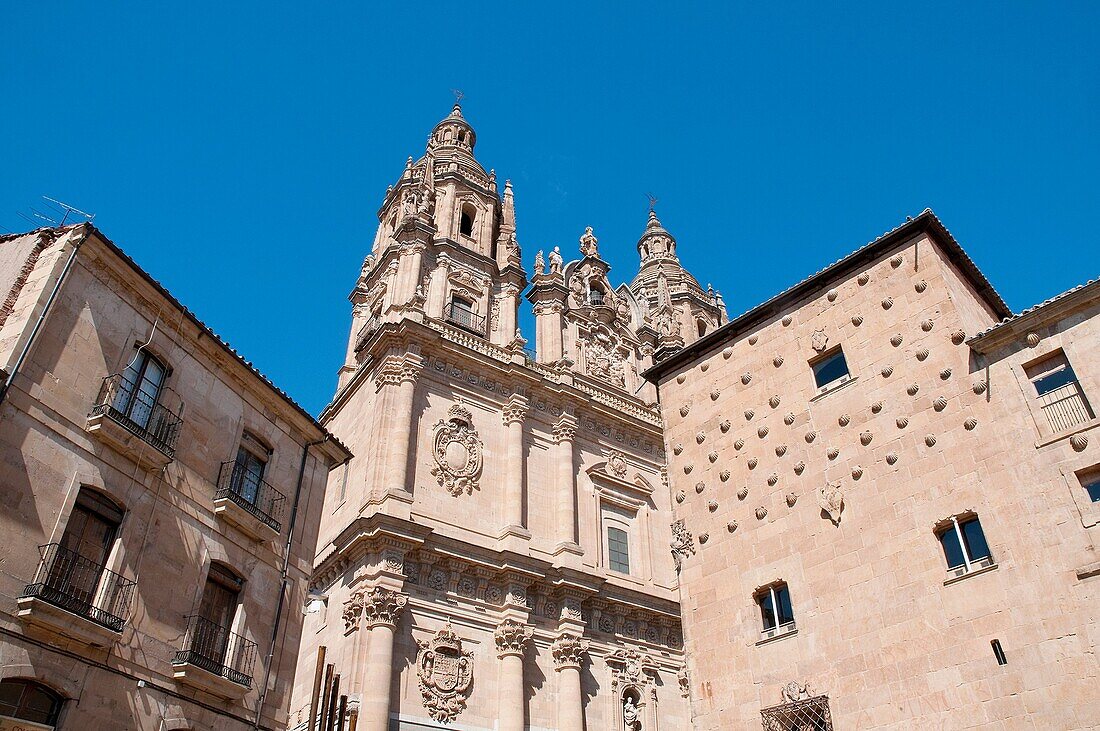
[569,651]
[566,429]
[511,637]
[515,409]
[382,606]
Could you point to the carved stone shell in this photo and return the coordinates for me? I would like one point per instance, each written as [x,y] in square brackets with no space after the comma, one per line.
[684,410]
[753,461]
[700,437]
[681,378]
[704,537]
[727,352]
[844,420]
[724,425]
[791,499]
[970,424]
[780,450]
[788,419]
[857,320]
[896,340]
[777,361]
[891,458]
[927,325]
[979,387]
[887,371]
[831,295]
[749,413]
[863,278]
[876,407]
[1032,339]
[833,453]
[865,438]
[930,440]
[896,261]
[742,493]
[887,303]
[712,505]
[713,457]
[811,436]
[745,378]
[774,401]
[700,486]
[799,467]
[1079,442]
[902,422]
[738,443]
[761,513]
[922,354]
[912,389]
[731,526]
[715,394]
[705,367]
[939,403]
[958,337]
[857,472]
[724,475]
[920,286]
[945,374]
[680,496]
[786,320]
[677,448]
[753,339]
[688,468]
[772,479]
[762,432]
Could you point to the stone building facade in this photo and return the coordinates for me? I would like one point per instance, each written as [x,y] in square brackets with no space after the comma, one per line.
[159,504]
[885,489]
[496,555]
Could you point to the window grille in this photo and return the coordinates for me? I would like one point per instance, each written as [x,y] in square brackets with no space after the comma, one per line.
[810,714]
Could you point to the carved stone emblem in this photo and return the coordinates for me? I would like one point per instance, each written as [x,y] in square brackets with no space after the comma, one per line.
[831,500]
[616,465]
[458,452]
[603,360]
[446,673]
[682,543]
[819,340]
[795,691]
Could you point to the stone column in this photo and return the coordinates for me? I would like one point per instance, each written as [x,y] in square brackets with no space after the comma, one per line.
[565,431]
[651,711]
[549,325]
[511,639]
[400,377]
[569,651]
[506,319]
[514,411]
[381,610]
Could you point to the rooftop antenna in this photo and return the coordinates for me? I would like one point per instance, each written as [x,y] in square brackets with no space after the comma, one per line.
[57,214]
[652,201]
[459,95]
[69,211]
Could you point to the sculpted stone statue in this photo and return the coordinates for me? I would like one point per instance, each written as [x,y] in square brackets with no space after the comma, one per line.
[556,261]
[540,263]
[630,715]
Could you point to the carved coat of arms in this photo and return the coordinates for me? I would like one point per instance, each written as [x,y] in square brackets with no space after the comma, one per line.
[446,674]
[819,340]
[457,450]
[831,500]
[603,360]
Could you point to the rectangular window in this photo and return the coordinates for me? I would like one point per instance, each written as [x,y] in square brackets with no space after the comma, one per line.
[1060,396]
[964,544]
[830,369]
[248,474]
[775,607]
[618,550]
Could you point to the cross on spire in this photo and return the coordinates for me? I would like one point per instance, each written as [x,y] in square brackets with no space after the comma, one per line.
[652,201]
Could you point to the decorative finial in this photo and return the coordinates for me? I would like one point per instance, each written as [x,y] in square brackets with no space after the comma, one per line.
[652,201]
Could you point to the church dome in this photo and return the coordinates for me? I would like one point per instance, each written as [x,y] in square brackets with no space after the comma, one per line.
[453,131]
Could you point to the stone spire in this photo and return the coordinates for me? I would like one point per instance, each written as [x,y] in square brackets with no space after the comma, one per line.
[656,242]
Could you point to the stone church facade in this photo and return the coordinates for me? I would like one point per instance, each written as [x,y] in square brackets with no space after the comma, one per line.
[496,554]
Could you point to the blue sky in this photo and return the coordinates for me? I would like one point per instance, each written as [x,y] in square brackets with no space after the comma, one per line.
[239,151]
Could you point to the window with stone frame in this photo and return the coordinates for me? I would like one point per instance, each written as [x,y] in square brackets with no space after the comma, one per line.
[618,550]
[776,612]
[964,546]
[618,528]
[27,700]
[807,714]
[1060,396]
[830,369]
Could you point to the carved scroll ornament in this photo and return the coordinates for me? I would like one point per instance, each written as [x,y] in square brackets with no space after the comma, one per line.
[457,452]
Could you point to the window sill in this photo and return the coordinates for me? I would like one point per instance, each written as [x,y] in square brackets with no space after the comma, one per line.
[790,631]
[831,389]
[972,572]
[1067,433]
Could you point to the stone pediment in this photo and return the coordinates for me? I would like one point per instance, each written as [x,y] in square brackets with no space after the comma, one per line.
[612,478]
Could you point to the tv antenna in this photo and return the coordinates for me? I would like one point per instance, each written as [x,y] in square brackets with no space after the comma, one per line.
[55,213]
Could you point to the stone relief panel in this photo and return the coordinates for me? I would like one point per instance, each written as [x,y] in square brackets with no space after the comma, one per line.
[602,358]
[445,674]
[458,452]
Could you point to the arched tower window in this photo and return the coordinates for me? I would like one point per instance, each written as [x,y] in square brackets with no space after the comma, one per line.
[595,294]
[701,326]
[29,701]
[466,222]
[462,136]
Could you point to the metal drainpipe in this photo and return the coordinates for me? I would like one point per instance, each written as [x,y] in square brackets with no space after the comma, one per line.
[283,585]
[41,319]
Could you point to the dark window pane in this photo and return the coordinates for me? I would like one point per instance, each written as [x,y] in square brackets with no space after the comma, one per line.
[831,369]
[951,549]
[618,550]
[767,615]
[1055,380]
[783,599]
[29,701]
[1093,489]
[976,546]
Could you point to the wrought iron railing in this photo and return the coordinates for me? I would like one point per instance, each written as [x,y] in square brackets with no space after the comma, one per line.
[217,650]
[1065,407]
[465,319]
[251,493]
[595,298]
[79,585]
[139,412]
[365,332]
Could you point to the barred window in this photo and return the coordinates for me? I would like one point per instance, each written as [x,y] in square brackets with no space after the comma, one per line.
[810,714]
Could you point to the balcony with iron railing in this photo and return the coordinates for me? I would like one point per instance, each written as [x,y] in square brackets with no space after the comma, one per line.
[1065,407]
[128,417]
[596,298]
[366,331]
[465,318]
[215,659]
[68,581]
[249,502]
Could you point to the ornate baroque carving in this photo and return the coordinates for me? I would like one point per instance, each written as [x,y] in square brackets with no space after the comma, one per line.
[682,544]
[569,651]
[511,637]
[446,674]
[457,452]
